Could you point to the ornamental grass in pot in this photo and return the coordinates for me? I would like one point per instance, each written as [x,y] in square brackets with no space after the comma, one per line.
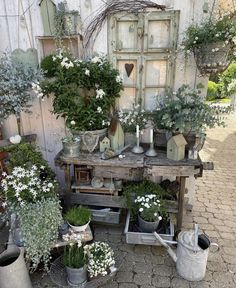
[75,262]
[78,218]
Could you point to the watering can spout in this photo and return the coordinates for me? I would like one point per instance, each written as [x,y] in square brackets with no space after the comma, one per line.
[168,248]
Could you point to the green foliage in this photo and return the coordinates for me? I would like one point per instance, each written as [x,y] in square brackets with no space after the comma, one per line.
[84,91]
[129,119]
[227,77]
[213,91]
[16,80]
[211,31]
[39,224]
[135,189]
[26,154]
[78,216]
[49,66]
[74,256]
[188,112]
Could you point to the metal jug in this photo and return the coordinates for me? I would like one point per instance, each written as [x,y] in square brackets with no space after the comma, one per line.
[190,258]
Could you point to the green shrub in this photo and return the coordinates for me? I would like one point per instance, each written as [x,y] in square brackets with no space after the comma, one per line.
[227,77]
[49,66]
[213,91]
[78,216]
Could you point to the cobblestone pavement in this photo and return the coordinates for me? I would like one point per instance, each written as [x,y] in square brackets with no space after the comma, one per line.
[214,210]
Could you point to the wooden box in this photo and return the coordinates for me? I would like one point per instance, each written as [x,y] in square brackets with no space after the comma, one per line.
[105,215]
[146,238]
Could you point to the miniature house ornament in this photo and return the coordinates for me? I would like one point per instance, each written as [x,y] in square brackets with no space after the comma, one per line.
[104,144]
[116,135]
[176,147]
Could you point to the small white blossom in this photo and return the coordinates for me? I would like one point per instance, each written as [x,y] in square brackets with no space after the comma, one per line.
[99,109]
[72,122]
[87,72]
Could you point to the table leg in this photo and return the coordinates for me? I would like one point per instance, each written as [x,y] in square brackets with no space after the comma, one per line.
[181,202]
[66,169]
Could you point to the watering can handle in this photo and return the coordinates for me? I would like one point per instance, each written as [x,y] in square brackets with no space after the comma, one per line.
[216,246]
[169,250]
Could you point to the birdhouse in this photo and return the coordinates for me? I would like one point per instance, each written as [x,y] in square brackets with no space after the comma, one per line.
[176,147]
[116,135]
[48,12]
[104,144]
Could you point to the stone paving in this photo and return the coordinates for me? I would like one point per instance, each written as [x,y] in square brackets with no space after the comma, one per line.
[214,210]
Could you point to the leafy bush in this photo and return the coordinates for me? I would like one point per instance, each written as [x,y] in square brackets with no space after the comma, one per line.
[78,216]
[49,66]
[213,91]
[16,81]
[227,77]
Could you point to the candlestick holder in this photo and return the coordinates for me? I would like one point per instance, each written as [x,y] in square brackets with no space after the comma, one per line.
[151,152]
[137,149]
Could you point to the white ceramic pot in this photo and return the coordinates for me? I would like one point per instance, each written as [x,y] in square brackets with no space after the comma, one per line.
[79,228]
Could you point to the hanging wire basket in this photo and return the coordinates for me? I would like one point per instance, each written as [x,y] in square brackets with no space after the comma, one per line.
[59,277]
[212,57]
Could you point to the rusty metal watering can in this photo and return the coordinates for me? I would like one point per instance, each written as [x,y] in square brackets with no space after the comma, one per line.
[191,254]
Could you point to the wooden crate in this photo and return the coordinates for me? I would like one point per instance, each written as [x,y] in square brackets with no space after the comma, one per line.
[145,238]
[92,190]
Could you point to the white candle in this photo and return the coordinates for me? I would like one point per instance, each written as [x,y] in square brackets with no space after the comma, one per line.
[151,135]
[137,131]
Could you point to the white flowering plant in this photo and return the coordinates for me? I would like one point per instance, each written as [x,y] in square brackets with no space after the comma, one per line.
[24,185]
[221,29]
[150,208]
[84,91]
[129,119]
[100,258]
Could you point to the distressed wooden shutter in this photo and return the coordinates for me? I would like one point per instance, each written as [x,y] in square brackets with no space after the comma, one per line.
[146,42]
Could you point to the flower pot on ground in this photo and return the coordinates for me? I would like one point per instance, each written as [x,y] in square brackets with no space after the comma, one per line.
[75,262]
[78,218]
[71,146]
[150,210]
[13,270]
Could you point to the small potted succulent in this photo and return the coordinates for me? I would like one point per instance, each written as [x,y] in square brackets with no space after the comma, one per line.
[101,259]
[212,42]
[75,261]
[78,218]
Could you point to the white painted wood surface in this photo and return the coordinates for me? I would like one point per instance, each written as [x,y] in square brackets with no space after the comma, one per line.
[20,23]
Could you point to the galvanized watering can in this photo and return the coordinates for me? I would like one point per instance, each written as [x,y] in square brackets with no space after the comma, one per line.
[191,255]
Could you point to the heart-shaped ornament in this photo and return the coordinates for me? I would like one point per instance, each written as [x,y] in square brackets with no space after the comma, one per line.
[15,139]
[129,68]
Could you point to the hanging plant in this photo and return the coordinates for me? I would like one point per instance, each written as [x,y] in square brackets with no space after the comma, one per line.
[213,43]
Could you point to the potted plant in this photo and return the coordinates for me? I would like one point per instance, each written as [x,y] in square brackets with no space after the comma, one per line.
[151,211]
[212,43]
[100,259]
[16,82]
[35,203]
[75,261]
[71,146]
[130,119]
[146,203]
[85,92]
[187,113]
[78,218]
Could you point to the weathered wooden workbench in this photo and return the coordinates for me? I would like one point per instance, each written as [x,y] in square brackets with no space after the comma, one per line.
[132,167]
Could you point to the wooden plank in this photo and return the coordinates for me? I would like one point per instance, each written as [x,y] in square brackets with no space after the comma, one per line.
[92,190]
[173,170]
[181,202]
[118,172]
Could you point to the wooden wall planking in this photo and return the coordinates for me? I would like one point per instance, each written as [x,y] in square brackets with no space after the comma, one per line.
[21,33]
